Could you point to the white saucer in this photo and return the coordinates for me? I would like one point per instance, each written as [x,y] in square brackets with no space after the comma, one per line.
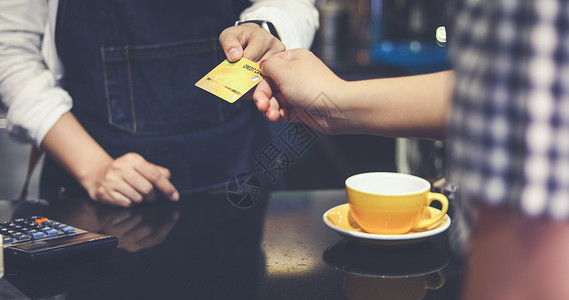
[339,214]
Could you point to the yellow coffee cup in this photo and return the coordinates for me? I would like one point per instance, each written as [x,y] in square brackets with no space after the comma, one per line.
[392,203]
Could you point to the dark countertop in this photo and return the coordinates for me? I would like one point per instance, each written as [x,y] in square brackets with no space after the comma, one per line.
[206,248]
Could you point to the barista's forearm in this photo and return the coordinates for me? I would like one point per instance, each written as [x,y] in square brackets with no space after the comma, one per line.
[74,149]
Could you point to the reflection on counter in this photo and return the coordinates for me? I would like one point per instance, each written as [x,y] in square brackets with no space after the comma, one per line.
[403,288]
[192,248]
[388,273]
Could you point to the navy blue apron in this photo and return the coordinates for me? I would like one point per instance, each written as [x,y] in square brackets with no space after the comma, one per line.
[130,67]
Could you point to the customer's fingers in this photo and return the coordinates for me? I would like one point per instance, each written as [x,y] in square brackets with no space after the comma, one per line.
[270,66]
[262,45]
[262,95]
[267,103]
[280,65]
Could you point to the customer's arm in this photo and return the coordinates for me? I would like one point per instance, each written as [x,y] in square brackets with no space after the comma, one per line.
[302,88]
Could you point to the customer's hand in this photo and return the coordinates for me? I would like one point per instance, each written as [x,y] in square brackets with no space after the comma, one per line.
[130,179]
[300,87]
[249,40]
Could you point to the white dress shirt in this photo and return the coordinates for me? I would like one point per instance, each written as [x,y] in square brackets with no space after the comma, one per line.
[30,68]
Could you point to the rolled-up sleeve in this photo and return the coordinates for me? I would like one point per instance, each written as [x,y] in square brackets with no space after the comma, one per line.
[27,86]
[296,21]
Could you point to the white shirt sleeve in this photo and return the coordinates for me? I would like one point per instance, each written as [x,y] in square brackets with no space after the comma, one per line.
[27,86]
[296,21]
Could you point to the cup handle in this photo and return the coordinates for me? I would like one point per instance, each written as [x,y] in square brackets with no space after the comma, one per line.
[426,223]
[435,285]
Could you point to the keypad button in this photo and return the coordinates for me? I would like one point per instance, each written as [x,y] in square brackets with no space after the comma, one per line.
[21,237]
[51,231]
[41,220]
[67,229]
[37,234]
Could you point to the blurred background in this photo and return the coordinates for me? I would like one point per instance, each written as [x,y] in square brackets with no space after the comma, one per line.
[357,39]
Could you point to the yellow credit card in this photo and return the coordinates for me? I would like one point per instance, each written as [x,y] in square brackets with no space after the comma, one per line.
[230,81]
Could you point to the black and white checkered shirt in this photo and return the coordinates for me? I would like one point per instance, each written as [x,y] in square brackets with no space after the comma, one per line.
[509,125]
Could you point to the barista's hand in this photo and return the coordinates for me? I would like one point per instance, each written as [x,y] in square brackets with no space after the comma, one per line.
[123,181]
[296,80]
[249,40]
[130,179]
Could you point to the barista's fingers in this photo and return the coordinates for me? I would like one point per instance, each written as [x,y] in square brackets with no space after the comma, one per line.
[231,44]
[249,40]
[128,191]
[164,171]
[151,197]
[114,198]
[134,185]
[158,179]
[113,189]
